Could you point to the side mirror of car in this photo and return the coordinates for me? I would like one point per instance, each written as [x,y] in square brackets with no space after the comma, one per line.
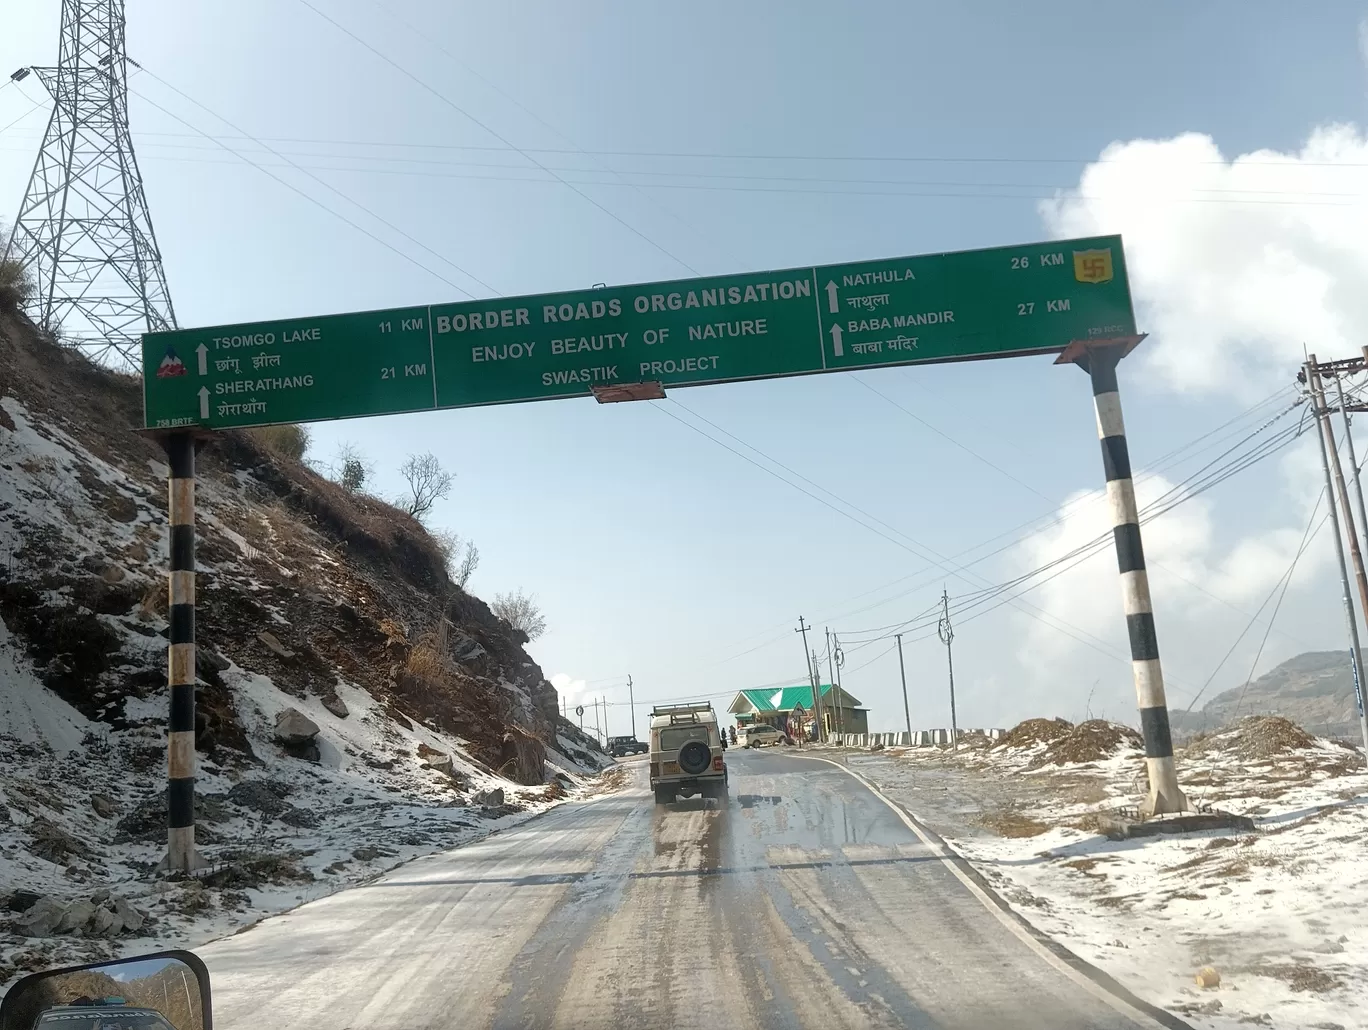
[165,991]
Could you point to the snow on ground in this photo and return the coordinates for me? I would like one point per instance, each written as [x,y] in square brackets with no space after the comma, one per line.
[82,803]
[1279,913]
[81,810]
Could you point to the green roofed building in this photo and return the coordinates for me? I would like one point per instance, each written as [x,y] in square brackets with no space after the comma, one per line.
[841,712]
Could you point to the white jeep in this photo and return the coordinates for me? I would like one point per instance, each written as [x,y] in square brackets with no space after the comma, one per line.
[759,734]
[686,753]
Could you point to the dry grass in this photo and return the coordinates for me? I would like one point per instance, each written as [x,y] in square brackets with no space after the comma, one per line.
[1087,792]
[1116,901]
[153,603]
[290,441]
[1089,741]
[1011,824]
[1300,977]
[1032,732]
[1086,866]
[15,284]
[610,781]
[426,661]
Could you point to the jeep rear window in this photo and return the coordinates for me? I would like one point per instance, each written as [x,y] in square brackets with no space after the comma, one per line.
[676,737]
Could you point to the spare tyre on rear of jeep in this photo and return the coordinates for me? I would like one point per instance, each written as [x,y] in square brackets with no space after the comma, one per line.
[695,757]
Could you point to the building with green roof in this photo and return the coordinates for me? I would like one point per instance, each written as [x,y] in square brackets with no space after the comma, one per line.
[841,711]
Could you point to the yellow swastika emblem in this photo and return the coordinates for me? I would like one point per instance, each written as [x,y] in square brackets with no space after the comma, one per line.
[1093,266]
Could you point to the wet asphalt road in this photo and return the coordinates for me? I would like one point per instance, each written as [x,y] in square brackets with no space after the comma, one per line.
[804,902]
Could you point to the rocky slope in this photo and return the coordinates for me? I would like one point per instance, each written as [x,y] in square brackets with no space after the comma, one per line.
[355,707]
[1315,690]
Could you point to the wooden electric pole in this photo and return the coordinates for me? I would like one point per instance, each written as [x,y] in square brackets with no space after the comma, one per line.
[947,635]
[814,674]
[902,671]
[1334,484]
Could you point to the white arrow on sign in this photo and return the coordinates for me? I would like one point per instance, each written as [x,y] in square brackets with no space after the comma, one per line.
[204,401]
[203,352]
[833,305]
[836,347]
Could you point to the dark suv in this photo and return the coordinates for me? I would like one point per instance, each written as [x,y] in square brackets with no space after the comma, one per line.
[620,747]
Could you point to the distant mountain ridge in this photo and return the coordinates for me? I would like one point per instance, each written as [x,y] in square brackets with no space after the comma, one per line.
[1314,689]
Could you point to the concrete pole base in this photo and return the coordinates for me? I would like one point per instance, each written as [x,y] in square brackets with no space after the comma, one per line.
[195,864]
[181,854]
[1165,796]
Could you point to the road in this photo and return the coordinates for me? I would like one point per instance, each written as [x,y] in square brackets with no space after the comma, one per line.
[804,902]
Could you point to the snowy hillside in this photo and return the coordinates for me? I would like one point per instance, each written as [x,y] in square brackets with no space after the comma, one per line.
[355,707]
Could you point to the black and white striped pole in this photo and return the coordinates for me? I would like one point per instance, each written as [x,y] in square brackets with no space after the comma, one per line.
[1099,359]
[180,752]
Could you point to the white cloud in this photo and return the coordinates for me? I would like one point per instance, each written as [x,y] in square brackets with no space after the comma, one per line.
[1197,573]
[569,688]
[1234,264]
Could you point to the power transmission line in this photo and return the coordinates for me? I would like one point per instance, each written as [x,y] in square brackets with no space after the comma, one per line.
[965,190]
[466,114]
[1057,516]
[1312,530]
[326,185]
[1029,609]
[1079,554]
[313,200]
[577,149]
[724,156]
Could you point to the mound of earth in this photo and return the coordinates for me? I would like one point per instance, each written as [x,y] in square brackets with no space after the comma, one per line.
[1256,736]
[1034,732]
[1090,741]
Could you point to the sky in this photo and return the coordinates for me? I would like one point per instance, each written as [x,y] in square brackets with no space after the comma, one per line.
[311,156]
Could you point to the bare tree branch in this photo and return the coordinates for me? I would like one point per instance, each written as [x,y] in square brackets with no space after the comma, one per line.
[351,468]
[462,557]
[428,483]
[470,561]
[521,612]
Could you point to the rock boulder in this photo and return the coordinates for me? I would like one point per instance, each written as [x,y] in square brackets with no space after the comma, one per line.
[294,728]
[488,798]
[42,918]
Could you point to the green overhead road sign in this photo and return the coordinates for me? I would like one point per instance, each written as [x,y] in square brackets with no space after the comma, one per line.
[1030,299]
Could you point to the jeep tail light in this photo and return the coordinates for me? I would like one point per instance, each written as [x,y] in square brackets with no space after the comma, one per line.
[655,769]
[718,764]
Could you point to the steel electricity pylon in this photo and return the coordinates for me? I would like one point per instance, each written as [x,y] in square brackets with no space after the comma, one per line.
[84,231]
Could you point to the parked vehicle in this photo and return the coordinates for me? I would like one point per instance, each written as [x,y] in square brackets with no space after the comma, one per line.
[760,734]
[621,747]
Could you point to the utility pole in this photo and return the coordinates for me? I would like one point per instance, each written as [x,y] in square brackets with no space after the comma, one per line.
[817,694]
[1350,532]
[815,676]
[947,635]
[831,673]
[840,703]
[1326,437]
[1353,460]
[902,671]
[631,703]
